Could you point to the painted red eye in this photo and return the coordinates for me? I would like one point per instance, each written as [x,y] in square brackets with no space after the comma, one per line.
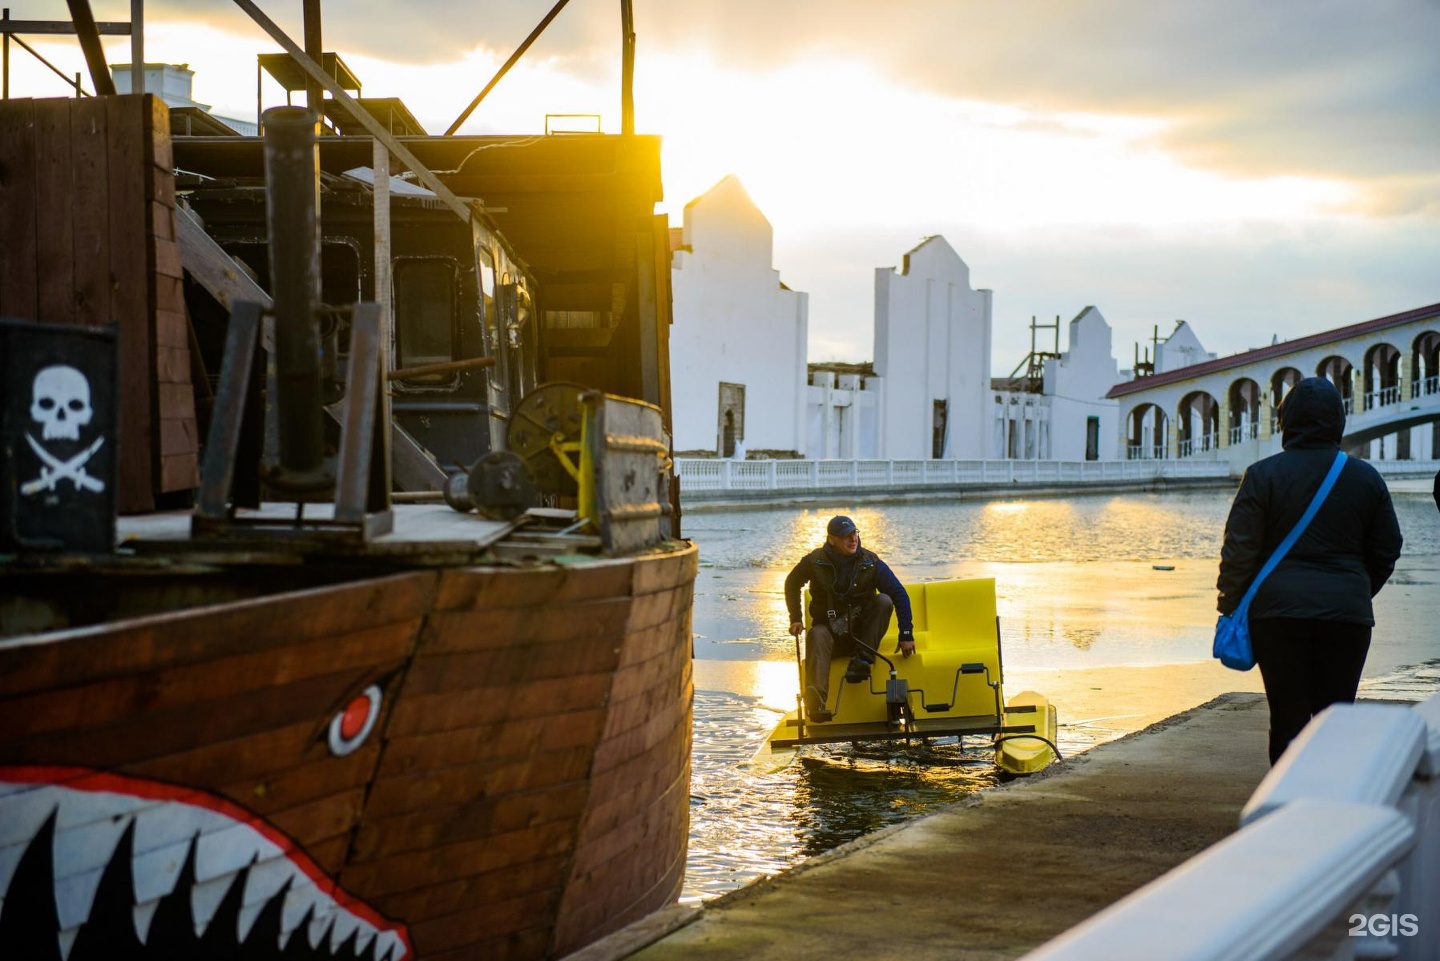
[350,728]
[352,721]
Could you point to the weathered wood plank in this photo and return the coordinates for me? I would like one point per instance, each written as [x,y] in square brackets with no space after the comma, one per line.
[468,590]
[199,636]
[550,623]
[527,945]
[323,818]
[590,653]
[516,739]
[459,785]
[383,837]
[407,872]
[322,777]
[54,229]
[167,254]
[178,435]
[486,925]
[176,400]
[127,295]
[179,471]
[90,190]
[661,572]
[19,291]
[476,890]
[116,698]
[172,329]
[498,700]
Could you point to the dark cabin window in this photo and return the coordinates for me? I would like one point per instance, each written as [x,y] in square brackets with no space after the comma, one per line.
[424,298]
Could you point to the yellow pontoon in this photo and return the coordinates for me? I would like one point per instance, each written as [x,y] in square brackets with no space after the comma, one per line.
[950,686]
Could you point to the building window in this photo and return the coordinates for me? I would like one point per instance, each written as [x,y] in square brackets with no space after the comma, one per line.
[1092,438]
[937,430]
[732,418]
[424,297]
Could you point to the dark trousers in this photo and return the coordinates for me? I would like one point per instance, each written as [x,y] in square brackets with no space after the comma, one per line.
[1307,666]
[821,645]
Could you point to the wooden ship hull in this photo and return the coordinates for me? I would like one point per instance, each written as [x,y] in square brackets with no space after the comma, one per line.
[514,782]
[237,736]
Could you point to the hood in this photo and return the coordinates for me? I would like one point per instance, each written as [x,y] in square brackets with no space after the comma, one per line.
[1312,415]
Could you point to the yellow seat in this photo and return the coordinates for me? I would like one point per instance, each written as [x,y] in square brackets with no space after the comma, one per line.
[955,625]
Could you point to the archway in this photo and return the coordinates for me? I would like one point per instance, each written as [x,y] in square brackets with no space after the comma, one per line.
[1197,423]
[1146,434]
[1340,372]
[1244,403]
[1382,376]
[1425,365]
[1281,383]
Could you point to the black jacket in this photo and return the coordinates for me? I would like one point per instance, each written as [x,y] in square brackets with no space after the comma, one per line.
[1350,548]
[867,573]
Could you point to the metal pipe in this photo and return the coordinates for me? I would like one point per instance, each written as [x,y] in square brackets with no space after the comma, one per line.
[292,178]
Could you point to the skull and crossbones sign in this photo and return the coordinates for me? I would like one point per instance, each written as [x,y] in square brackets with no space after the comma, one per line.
[61,405]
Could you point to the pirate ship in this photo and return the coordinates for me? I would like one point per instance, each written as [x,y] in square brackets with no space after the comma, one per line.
[295,717]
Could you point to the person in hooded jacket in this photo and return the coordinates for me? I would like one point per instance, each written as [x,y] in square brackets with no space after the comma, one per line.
[1310,620]
[853,594]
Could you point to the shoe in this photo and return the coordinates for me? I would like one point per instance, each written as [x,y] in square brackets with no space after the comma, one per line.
[815,706]
[859,670]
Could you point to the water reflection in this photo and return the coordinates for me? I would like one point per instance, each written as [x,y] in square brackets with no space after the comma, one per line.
[1079,585]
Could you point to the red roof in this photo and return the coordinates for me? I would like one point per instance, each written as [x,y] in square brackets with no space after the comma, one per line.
[1274,350]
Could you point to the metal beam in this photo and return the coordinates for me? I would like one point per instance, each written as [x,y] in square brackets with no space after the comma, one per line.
[375,127]
[105,28]
[505,68]
[90,43]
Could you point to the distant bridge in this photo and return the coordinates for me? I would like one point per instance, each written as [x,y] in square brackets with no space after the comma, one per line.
[1387,370]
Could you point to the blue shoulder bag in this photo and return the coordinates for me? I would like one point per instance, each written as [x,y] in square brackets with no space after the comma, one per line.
[1232,631]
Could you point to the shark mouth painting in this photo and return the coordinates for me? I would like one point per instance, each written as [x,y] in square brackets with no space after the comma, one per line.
[96,865]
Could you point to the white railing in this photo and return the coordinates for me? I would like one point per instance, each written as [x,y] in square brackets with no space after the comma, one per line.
[1244,432]
[1423,388]
[1382,398]
[1338,856]
[702,474]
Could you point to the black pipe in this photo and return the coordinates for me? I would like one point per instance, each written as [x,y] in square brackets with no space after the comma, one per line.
[292,178]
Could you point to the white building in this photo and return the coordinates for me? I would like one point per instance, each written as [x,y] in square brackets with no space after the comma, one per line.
[1063,413]
[932,354]
[843,411]
[738,343]
[1181,349]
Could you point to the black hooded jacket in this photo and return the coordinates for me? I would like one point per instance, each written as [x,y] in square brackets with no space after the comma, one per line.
[1350,548]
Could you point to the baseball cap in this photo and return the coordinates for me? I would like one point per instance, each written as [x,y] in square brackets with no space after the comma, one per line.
[841,526]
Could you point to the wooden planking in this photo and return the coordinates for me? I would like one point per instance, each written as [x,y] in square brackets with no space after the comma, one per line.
[474,589]
[408,872]
[474,782]
[159,733]
[488,632]
[495,922]
[294,786]
[665,571]
[522,661]
[384,837]
[483,704]
[19,292]
[145,645]
[527,945]
[411,755]
[473,891]
[54,231]
[195,685]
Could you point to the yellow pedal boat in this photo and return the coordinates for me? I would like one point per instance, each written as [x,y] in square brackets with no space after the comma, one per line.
[950,686]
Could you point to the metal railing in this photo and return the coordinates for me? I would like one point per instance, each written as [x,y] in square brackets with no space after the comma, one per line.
[703,474]
[1331,860]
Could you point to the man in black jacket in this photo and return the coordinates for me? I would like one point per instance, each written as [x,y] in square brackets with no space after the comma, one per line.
[1310,620]
[852,596]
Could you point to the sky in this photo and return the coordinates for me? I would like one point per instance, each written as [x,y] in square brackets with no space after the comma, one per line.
[1261,170]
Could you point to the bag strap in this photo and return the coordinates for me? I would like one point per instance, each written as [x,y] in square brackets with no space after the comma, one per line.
[1295,531]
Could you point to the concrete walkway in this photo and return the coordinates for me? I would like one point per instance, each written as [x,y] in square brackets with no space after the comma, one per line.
[1000,875]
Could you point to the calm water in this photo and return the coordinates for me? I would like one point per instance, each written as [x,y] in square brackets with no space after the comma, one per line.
[1077,586]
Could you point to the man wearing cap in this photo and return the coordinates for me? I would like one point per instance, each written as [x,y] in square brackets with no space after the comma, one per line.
[852,595]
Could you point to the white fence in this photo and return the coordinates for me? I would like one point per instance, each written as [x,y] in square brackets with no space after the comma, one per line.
[1337,857]
[700,474]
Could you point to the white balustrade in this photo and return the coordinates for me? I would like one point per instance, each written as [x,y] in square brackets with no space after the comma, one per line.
[705,474]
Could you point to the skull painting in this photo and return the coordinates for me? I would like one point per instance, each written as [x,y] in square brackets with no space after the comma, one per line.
[61,402]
